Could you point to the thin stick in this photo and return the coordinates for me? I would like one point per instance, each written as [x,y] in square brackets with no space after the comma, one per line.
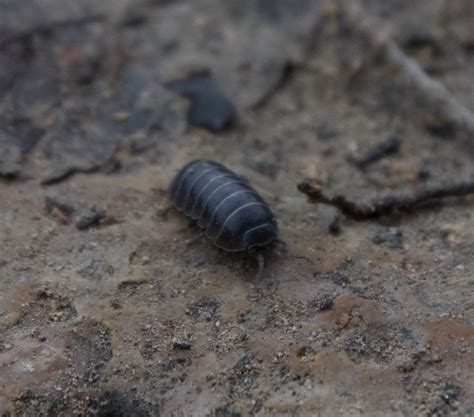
[432,90]
[386,205]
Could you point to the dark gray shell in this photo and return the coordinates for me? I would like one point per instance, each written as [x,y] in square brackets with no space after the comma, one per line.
[234,216]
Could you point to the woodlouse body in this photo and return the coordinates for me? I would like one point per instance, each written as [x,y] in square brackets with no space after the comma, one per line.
[234,216]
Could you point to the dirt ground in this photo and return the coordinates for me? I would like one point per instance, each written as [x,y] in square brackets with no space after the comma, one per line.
[113,305]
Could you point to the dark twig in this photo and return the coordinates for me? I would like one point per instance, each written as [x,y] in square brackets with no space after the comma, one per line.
[260,264]
[386,205]
[286,73]
[433,90]
[378,151]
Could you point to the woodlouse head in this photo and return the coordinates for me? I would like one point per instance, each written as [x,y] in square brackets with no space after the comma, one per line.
[261,236]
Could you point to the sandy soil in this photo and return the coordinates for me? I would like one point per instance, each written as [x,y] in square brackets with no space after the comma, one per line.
[139,315]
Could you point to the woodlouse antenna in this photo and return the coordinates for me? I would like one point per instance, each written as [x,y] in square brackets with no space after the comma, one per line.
[285,252]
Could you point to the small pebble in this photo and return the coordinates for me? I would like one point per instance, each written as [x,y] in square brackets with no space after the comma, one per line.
[182,344]
[339,278]
[209,108]
[392,236]
[335,226]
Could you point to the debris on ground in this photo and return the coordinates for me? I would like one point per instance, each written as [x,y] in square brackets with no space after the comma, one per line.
[209,107]
[392,236]
[335,226]
[94,218]
[62,211]
[182,344]
[377,152]
[387,204]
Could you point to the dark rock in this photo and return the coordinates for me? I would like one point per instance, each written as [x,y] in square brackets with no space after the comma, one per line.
[392,236]
[79,54]
[26,134]
[209,108]
[77,146]
[93,219]
[339,278]
[335,226]
[326,302]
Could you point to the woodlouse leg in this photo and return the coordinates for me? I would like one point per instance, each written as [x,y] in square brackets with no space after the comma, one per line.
[199,236]
[281,242]
[260,264]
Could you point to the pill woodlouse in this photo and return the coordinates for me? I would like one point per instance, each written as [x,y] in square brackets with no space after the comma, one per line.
[234,216]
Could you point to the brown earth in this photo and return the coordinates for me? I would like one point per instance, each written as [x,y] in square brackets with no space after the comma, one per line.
[138,315]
